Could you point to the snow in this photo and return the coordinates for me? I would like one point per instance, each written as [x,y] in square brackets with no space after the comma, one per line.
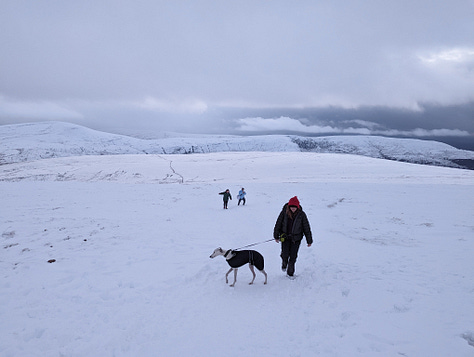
[390,272]
[34,141]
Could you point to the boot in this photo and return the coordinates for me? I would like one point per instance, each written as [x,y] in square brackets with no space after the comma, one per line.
[291,269]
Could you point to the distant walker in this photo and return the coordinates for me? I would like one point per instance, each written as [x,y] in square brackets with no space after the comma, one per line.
[241,196]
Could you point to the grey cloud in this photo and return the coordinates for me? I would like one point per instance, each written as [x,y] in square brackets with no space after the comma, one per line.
[34,110]
[428,116]
[257,53]
[201,65]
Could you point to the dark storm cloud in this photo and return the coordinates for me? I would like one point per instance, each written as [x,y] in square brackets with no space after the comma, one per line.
[429,117]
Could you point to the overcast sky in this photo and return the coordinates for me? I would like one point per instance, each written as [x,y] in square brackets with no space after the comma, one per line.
[224,66]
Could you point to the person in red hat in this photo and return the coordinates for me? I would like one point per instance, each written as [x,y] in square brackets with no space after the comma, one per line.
[291,225]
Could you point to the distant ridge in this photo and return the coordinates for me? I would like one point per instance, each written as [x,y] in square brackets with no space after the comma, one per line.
[35,141]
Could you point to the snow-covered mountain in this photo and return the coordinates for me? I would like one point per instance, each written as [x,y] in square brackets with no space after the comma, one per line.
[29,142]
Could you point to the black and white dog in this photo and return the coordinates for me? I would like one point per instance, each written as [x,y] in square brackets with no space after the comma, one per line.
[238,258]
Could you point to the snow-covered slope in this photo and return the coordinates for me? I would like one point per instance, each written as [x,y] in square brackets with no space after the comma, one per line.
[28,142]
[109,256]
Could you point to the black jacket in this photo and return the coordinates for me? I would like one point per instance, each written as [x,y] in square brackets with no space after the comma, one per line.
[300,226]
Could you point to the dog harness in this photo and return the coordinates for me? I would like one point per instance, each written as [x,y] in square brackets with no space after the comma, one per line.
[229,254]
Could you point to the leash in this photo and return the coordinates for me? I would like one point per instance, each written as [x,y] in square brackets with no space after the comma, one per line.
[251,245]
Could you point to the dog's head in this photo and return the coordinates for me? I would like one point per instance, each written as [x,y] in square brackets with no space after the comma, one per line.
[216,252]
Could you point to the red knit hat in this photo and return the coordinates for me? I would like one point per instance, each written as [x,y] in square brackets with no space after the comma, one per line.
[294,202]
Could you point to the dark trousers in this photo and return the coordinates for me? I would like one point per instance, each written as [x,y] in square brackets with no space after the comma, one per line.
[225,204]
[241,199]
[289,254]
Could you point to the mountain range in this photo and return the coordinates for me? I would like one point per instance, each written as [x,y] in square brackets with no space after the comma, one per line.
[35,141]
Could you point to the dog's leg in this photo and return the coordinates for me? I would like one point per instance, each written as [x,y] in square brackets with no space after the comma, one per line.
[253,273]
[227,280]
[235,277]
[263,271]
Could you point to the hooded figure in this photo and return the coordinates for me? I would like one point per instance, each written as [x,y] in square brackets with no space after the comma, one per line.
[226,195]
[290,226]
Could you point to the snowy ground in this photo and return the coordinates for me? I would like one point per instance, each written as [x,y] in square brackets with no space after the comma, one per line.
[390,273]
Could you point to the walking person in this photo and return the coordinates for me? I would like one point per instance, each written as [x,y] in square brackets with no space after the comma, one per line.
[241,196]
[292,223]
[226,196]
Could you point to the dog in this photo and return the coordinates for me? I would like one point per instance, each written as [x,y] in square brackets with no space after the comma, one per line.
[238,258]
